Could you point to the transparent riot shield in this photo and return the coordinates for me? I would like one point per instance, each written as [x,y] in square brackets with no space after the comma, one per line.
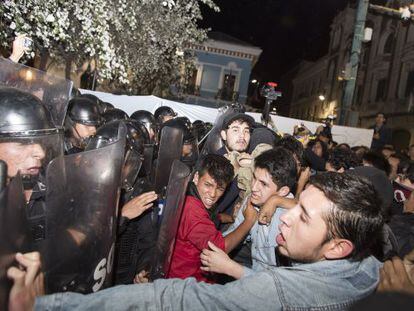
[53,91]
[148,159]
[130,169]
[190,153]
[212,141]
[177,186]
[14,231]
[82,207]
[170,149]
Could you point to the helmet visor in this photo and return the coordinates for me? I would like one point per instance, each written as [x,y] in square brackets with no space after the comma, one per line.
[30,155]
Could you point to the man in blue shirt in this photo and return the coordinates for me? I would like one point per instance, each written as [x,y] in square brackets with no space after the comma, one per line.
[274,174]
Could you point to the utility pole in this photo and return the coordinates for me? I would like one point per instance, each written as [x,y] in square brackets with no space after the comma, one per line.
[361,16]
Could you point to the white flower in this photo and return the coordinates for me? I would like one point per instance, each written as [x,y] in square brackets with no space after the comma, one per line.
[13,26]
[50,18]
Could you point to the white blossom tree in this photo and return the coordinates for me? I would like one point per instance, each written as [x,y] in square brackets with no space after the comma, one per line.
[135,44]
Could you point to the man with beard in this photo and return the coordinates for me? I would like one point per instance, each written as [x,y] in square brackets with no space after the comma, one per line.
[235,134]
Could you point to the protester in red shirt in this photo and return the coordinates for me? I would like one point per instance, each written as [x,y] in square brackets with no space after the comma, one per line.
[213,174]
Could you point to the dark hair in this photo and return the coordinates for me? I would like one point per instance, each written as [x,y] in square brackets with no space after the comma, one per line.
[359,152]
[342,158]
[293,145]
[325,151]
[280,163]
[344,146]
[406,169]
[354,214]
[217,167]
[377,160]
[383,114]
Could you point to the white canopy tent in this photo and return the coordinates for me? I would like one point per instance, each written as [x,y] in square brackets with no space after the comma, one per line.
[341,134]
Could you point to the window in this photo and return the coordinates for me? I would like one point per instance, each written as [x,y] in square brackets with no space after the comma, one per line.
[389,43]
[228,86]
[410,84]
[381,90]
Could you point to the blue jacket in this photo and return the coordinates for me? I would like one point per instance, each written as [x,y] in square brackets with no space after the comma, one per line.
[324,285]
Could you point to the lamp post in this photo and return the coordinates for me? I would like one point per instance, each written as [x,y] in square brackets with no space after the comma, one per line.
[361,16]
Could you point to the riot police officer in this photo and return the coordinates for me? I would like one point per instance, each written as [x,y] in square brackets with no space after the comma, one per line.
[28,141]
[114,114]
[148,119]
[137,226]
[82,120]
[190,147]
[164,113]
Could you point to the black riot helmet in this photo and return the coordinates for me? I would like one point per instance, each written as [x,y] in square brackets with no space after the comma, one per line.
[84,111]
[148,120]
[184,124]
[114,115]
[136,138]
[136,135]
[25,120]
[23,115]
[162,112]
[107,106]
[96,100]
[200,129]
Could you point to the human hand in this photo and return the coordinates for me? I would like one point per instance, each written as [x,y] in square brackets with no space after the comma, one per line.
[250,214]
[409,265]
[394,276]
[142,277]
[267,211]
[304,176]
[28,282]
[216,260]
[409,204]
[18,48]
[138,205]
[376,136]
[319,129]
[305,140]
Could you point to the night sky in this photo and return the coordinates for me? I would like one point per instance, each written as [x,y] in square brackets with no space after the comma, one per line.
[286,30]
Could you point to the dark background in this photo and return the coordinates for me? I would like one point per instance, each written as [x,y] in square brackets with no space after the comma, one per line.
[286,30]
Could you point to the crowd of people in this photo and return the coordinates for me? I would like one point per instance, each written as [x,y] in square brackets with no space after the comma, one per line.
[269,221]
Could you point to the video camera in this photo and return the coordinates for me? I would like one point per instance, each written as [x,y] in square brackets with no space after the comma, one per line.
[269,91]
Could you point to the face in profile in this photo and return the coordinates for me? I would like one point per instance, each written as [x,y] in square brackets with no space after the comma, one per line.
[187,150]
[26,158]
[237,136]
[208,189]
[303,230]
[84,131]
[166,118]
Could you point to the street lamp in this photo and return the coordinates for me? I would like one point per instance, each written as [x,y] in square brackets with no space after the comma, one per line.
[254,81]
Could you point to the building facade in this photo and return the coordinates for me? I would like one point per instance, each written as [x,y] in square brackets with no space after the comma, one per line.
[223,67]
[385,81]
